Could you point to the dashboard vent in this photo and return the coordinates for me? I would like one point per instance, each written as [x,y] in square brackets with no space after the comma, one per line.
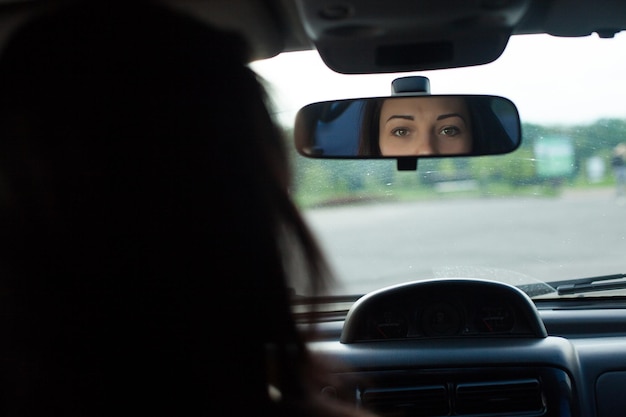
[408,401]
[499,398]
[520,397]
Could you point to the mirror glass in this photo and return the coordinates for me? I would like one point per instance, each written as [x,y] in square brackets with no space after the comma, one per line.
[400,126]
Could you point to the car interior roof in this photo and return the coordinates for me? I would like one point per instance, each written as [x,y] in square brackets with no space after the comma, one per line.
[355,36]
[361,36]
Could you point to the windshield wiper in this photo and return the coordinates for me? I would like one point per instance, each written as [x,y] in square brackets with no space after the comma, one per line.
[591,284]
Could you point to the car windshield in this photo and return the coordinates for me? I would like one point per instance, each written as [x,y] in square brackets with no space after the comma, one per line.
[550,211]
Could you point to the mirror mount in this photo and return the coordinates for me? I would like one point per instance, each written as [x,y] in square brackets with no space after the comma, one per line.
[407,164]
[412,85]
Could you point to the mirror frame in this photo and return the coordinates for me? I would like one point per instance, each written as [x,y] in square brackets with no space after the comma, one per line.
[322,112]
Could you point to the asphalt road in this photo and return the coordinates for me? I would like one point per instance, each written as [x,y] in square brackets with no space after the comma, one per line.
[516,240]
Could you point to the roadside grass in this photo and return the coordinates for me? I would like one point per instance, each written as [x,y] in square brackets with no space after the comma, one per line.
[327,196]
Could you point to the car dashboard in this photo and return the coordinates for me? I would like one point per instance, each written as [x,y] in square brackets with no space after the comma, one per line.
[470,347]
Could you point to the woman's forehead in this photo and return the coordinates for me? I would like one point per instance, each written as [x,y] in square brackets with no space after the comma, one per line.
[423,105]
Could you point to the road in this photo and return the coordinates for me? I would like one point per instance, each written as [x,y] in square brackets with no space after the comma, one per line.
[517,240]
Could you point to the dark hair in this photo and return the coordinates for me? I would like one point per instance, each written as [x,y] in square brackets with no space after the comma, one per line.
[490,136]
[370,127]
[148,234]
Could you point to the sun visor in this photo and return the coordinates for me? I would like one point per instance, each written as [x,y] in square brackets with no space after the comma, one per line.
[404,35]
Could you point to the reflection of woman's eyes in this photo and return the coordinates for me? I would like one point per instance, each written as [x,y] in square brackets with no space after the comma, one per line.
[400,132]
[449,131]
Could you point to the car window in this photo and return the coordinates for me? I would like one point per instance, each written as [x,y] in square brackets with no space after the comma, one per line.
[550,211]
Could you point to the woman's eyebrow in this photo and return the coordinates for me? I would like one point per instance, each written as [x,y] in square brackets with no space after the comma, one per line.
[401,116]
[447,115]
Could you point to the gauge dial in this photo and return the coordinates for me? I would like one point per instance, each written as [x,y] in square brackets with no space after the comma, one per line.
[441,319]
[388,324]
[494,318]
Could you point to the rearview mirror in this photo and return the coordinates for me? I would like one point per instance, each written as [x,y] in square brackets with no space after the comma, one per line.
[408,126]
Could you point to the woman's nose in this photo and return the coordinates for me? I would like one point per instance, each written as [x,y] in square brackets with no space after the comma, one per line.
[426,145]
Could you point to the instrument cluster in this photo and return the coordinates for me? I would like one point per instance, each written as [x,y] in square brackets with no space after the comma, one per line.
[443,308]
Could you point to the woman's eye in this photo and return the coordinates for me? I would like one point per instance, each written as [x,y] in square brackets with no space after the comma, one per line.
[400,132]
[450,131]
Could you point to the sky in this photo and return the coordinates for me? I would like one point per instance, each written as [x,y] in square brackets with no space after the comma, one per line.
[552,80]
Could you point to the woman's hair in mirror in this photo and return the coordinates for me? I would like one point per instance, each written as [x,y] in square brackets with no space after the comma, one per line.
[146,219]
[370,127]
[490,136]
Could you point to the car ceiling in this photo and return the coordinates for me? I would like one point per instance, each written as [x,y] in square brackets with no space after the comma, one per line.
[377,36]
[361,36]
